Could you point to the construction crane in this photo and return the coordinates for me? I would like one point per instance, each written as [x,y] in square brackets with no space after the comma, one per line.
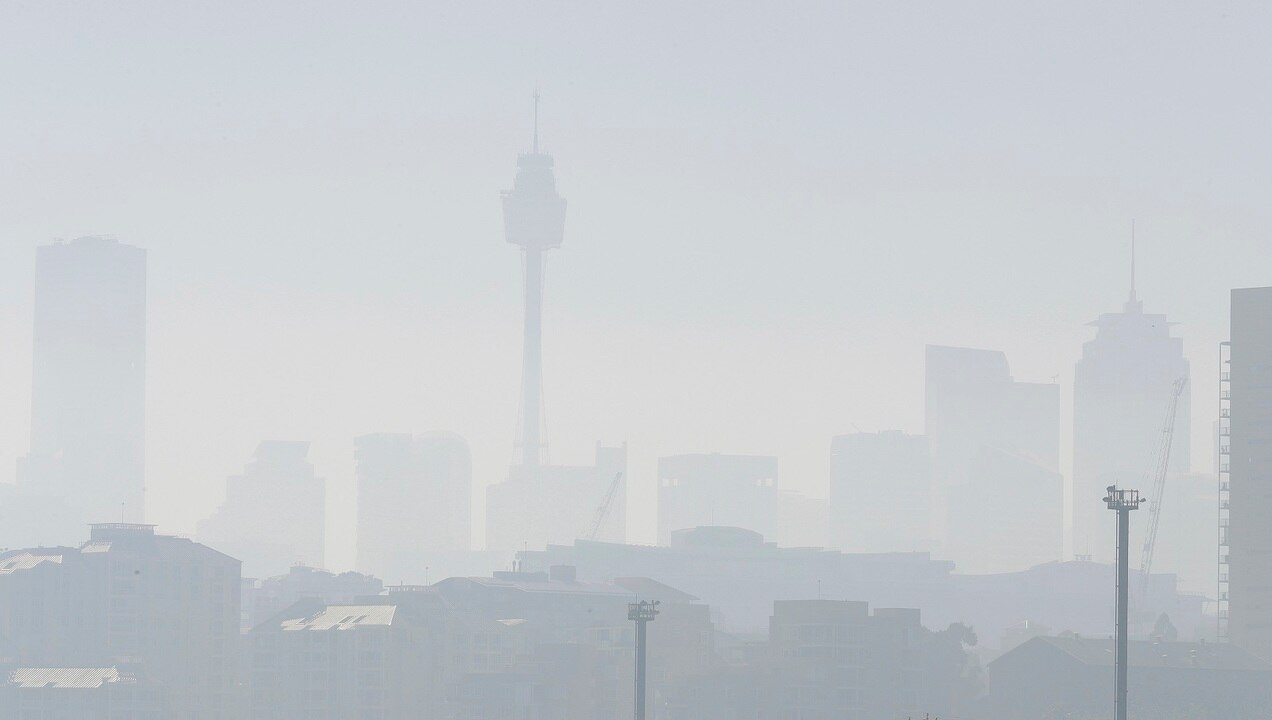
[1159,480]
[602,511]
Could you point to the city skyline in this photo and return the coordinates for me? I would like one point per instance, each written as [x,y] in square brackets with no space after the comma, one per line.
[327,250]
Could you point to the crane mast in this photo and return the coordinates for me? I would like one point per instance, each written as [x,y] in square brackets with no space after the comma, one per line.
[1159,480]
[602,511]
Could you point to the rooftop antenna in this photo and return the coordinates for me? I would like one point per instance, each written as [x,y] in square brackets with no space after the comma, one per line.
[1132,223]
[536,121]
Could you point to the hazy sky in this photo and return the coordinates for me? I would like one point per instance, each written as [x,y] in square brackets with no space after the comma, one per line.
[772,207]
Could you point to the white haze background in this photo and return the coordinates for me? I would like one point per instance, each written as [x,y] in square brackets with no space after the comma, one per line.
[772,207]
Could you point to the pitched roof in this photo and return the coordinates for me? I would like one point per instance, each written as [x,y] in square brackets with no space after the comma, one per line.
[81,678]
[342,617]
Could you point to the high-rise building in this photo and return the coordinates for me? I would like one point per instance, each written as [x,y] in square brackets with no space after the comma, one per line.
[1122,390]
[414,499]
[880,492]
[1249,534]
[539,503]
[88,399]
[275,512]
[710,489]
[978,416]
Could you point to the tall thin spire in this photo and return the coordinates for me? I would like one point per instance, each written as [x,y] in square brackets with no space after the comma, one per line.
[536,121]
[1132,259]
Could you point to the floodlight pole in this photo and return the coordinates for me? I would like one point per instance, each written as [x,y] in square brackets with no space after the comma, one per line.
[642,613]
[1123,502]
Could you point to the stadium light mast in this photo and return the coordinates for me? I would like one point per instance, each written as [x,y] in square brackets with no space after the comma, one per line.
[1122,502]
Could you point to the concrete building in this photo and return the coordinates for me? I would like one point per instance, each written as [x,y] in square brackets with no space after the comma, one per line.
[275,513]
[82,693]
[538,505]
[710,489]
[880,492]
[414,502]
[318,660]
[1072,677]
[802,521]
[165,607]
[88,399]
[973,403]
[1122,389]
[740,576]
[1249,534]
[833,659]
[262,599]
[1005,517]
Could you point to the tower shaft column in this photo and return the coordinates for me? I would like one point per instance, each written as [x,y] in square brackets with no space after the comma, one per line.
[532,360]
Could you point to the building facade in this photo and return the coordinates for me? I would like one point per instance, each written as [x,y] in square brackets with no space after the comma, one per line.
[880,492]
[1122,390]
[1250,471]
[163,610]
[88,397]
[275,513]
[414,499]
[710,489]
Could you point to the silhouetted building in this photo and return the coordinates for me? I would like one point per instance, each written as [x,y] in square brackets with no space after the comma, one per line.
[832,659]
[274,514]
[88,399]
[1004,517]
[414,500]
[973,403]
[263,598]
[880,492]
[740,576]
[542,504]
[712,489]
[319,660]
[802,521]
[1250,471]
[1122,388]
[1072,677]
[164,607]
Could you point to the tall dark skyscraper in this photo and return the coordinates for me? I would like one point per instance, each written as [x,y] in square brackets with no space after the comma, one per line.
[88,400]
[1122,388]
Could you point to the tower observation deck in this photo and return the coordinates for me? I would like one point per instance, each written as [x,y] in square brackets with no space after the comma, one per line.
[534,220]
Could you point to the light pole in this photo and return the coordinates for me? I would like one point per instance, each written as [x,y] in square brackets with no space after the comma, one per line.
[642,613]
[1123,502]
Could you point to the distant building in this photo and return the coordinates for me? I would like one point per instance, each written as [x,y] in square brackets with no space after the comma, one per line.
[414,499]
[740,576]
[162,610]
[88,398]
[712,489]
[1004,517]
[261,599]
[542,504]
[1073,677]
[1250,471]
[346,660]
[802,521]
[274,514]
[833,659]
[1122,388]
[880,492]
[973,403]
